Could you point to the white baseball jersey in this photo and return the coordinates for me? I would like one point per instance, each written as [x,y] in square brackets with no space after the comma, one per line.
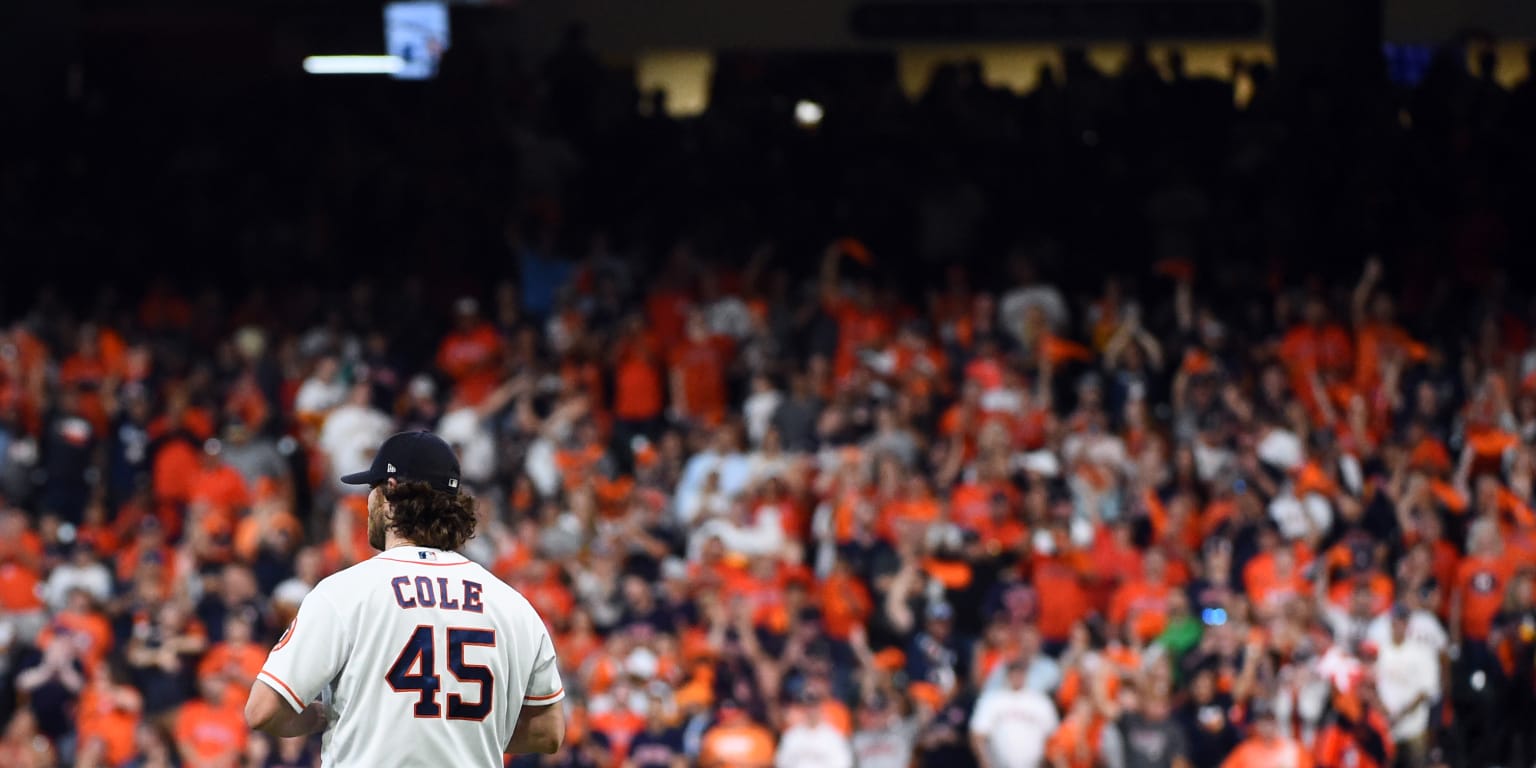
[424,657]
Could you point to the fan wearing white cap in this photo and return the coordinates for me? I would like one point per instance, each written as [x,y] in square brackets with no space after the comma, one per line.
[417,656]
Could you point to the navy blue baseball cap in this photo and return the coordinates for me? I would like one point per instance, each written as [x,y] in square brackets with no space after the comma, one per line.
[420,456]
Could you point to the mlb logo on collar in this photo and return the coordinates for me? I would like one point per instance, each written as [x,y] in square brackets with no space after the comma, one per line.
[425,555]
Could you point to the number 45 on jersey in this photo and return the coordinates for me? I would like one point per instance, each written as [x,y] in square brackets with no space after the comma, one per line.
[415,670]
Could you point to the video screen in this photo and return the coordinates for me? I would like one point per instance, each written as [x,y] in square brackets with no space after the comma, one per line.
[417,32]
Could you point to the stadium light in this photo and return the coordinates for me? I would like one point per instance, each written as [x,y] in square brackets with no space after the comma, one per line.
[353,65]
[808,113]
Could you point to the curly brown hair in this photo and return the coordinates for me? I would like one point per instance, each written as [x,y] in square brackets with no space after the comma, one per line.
[428,517]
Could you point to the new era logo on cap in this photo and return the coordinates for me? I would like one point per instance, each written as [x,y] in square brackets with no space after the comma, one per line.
[390,468]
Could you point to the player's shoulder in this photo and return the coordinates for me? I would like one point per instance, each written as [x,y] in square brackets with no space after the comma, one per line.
[504,594]
[507,599]
[337,586]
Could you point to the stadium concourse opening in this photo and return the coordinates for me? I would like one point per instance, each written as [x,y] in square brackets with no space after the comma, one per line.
[887,404]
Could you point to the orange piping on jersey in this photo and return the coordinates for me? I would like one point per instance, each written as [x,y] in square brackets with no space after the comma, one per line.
[421,562]
[283,684]
[544,698]
[288,635]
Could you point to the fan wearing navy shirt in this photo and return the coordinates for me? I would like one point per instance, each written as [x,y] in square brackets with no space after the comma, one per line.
[659,745]
[302,752]
[943,743]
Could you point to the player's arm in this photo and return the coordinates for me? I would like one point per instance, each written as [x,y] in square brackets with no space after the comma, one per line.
[540,725]
[282,701]
[540,730]
[265,711]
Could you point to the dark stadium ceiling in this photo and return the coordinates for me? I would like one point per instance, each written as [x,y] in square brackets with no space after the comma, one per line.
[274,6]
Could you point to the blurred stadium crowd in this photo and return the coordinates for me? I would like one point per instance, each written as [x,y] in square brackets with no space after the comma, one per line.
[1103,443]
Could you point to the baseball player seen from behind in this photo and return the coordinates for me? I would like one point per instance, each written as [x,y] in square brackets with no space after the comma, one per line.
[418,656]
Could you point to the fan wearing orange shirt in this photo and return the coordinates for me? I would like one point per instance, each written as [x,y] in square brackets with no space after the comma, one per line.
[1116,561]
[860,323]
[18,542]
[209,731]
[87,628]
[148,547]
[19,592]
[736,741]
[1315,352]
[107,719]
[1142,606]
[1358,734]
[965,417]
[349,534]
[217,496]
[236,661]
[1481,580]
[179,433]
[1259,573]
[819,704]
[540,582]
[668,303]
[696,373]
[1270,588]
[471,354]
[1057,575]
[98,360]
[580,641]
[1267,745]
[760,589]
[845,601]
[920,366]
[95,535]
[638,395]
[1077,742]
[618,722]
[581,461]
[1378,337]
[1355,558]
[217,484]
[972,502]
[916,507]
[1003,529]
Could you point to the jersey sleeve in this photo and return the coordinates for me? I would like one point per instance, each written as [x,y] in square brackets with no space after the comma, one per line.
[544,685]
[309,654]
